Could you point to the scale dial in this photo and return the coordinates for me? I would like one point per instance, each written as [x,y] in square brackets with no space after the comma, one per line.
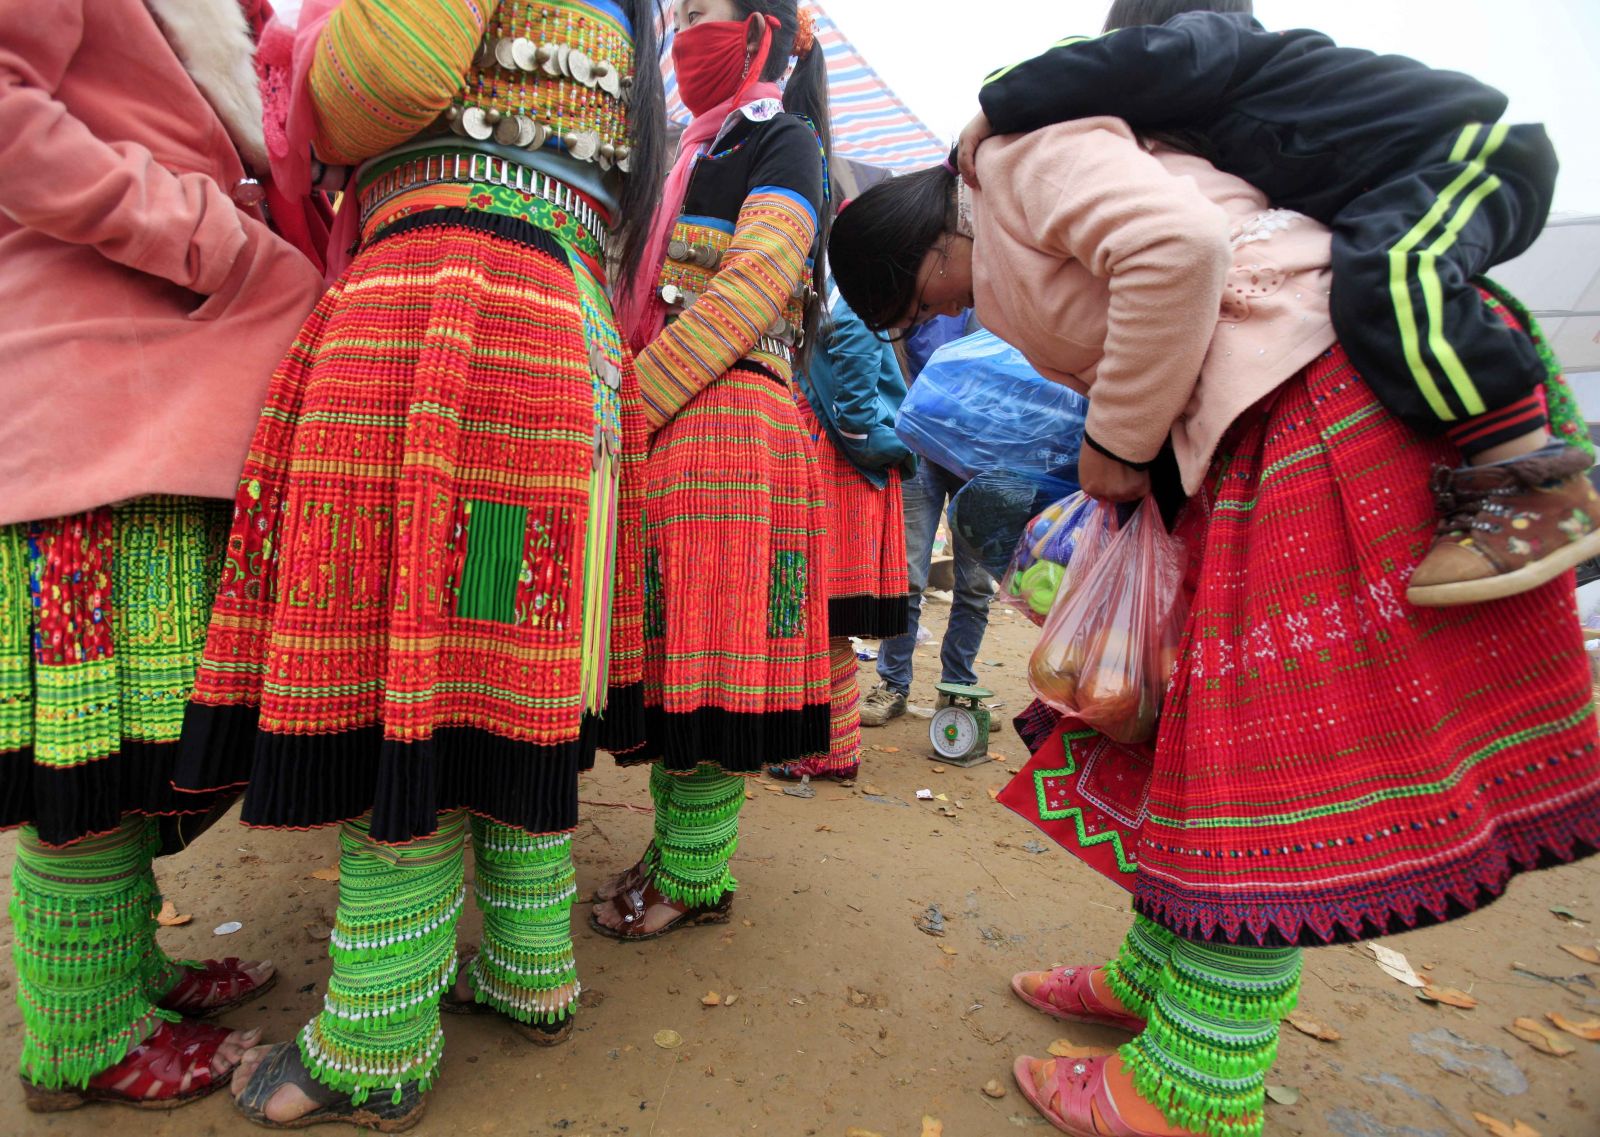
[953,732]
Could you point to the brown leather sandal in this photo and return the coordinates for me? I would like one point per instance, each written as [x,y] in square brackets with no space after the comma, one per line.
[540,1034]
[631,877]
[632,905]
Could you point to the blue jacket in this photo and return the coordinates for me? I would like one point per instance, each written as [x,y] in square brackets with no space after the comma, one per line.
[855,387]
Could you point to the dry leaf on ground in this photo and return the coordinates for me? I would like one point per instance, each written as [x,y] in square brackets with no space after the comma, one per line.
[1395,965]
[1588,1029]
[891,750]
[994,793]
[1284,1095]
[1584,952]
[932,1127]
[330,873]
[168,916]
[948,950]
[1450,996]
[1541,1037]
[711,999]
[994,1089]
[1061,1048]
[824,829]
[1500,1129]
[871,790]
[729,1000]
[857,1131]
[1305,1024]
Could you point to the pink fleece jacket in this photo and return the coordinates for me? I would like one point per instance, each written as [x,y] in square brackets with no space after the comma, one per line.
[1169,292]
[141,311]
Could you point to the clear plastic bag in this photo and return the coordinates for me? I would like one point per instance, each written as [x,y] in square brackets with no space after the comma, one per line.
[1112,638]
[1032,581]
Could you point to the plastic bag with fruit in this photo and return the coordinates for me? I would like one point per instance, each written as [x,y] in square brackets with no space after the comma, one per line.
[1050,543]
[1111,640]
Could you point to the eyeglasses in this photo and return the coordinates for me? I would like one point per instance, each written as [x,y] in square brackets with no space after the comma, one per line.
[901,334]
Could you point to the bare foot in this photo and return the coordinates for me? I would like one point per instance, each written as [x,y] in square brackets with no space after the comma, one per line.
[656,917]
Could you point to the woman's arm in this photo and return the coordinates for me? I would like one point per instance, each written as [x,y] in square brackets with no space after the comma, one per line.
[1088,192]
[58,178]
[763,265]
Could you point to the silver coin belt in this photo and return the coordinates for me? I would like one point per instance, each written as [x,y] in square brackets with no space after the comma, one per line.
[481,169]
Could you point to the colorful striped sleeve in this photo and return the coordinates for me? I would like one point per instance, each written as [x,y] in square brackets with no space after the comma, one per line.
[386,69]
[763,265]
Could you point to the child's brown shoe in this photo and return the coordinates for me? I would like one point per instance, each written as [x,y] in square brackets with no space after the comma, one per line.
[1508,527]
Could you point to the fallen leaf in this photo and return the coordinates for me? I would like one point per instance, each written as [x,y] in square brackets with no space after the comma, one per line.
[948,950]
[1305,1024]
[711,999]
[318,932]
[330,873]
[1541,1037]
[1587,954]
[871,790]
[891,750]
[994,793]
[1588,1029]
[941,797]
[824,829]
[857,1131]
[1566,914]
[932,1127]
[729,1000]
[994,1089]
[749,795]
[1500,1129]
[668,1039]
[1283,1095]
[168,916]
[1449,996]
[1061,1048]
[996,756]
[1395,965]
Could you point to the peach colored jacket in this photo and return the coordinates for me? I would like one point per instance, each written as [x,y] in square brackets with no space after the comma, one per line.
[1167,291]
[141,311]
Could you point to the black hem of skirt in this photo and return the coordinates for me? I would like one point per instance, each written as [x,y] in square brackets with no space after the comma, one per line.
[739,742]
[68,804]
[869,617]
[622,726]
[306,781]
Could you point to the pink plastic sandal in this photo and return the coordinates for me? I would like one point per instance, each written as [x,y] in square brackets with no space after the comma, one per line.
[1079,1088]
[1068,994]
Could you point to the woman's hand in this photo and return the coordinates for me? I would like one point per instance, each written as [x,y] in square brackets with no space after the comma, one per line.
[1106,479]
[967,147]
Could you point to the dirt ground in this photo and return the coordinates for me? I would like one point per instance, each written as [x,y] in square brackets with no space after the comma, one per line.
[847,1016]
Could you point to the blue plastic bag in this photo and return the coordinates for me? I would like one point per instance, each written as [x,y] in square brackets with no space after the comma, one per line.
[978,406]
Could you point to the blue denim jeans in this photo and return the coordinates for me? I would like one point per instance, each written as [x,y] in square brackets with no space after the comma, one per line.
[925,497]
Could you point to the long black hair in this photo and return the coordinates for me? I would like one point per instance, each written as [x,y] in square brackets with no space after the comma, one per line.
[880,240]
[647,140]
[805,95]
[1134,13]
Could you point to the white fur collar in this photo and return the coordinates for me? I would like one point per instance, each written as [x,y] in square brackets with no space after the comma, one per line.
[213,41]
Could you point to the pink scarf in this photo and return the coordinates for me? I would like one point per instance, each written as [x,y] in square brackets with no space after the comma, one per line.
[642,313]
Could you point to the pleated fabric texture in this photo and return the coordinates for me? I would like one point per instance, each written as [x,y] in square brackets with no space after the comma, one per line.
[1334,763]
[735,610]
[431,597]
[102,619]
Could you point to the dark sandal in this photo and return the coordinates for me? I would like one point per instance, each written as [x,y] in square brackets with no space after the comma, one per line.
[794,771]
[633,904]
[540,1034]
[282,1067]
[212,976]
[171,1051]
[630,877]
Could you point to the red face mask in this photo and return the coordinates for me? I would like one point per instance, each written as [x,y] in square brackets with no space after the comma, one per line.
[713,63]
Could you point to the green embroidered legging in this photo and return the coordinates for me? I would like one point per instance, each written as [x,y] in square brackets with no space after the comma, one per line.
[394,947]
[1212,1034]
[697,831]
[88,968]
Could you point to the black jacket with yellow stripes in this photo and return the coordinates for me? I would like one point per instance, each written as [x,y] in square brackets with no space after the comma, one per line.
[1311,124]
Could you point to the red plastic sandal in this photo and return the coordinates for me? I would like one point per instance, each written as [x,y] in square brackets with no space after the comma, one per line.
[151,1076]
[1068,994]
[217,985]
[1078,1086]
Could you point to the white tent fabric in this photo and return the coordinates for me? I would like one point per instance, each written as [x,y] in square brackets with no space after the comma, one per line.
[1559,280]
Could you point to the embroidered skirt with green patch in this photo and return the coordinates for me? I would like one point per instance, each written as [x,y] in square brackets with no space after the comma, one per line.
[102,618]
[736,604]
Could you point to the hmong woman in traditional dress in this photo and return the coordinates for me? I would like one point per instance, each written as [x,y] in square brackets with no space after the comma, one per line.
[736,653]
[145,304]
[425,623]
[849,396]
[1333,764]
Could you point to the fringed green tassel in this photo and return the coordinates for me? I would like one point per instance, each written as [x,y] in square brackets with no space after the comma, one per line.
[88,968]
[1213,1034]
[525,888]
[697,833]
[1135,975]
[394,953]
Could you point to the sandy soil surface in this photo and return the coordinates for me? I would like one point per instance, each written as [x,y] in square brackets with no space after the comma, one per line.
[842,1015]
